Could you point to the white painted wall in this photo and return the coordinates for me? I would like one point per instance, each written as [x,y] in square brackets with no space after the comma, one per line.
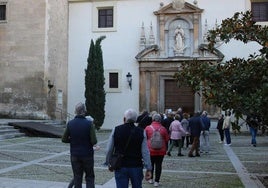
[121,47]
[79,40]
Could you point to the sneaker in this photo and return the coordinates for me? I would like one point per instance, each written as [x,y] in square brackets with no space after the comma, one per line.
[150,181]
[229,144]
[156,184]
[168,153]
[220,142]
[197,155]
[180,155]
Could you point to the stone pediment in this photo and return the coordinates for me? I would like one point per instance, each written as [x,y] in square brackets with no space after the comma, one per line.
[186,9]
[151,53]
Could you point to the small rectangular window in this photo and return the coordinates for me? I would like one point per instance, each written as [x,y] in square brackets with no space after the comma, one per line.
[113,80]
[3,12]
[105,17]
[260,11]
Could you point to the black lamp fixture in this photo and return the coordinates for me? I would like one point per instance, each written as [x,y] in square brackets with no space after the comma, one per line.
[49,85]
[129,80]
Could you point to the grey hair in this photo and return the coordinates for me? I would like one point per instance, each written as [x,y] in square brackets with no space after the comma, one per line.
[157,117]
[205,113]
[130,116]
[80,109]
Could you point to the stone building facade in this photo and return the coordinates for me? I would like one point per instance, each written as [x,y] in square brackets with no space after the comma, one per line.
[44,48]
[33,57]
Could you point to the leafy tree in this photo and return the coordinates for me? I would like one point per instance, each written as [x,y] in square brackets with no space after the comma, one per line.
[238,84]
[94,83]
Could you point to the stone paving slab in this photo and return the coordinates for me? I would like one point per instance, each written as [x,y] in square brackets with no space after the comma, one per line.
[31,161]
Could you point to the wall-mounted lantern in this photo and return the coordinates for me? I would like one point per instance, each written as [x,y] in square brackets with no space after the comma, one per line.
[50,86]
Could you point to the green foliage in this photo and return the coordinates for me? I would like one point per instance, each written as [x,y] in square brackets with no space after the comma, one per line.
[94,83]
[238,84]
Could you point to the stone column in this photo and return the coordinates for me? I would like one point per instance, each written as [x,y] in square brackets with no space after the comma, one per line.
[142,90]
[196,34]
[153,91]
[162,35]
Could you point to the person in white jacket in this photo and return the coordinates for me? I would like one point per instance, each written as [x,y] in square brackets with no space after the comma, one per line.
[226,127]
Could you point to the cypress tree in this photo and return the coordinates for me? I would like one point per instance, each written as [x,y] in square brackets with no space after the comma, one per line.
[94,83]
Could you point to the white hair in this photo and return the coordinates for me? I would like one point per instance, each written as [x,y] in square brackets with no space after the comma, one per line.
[130,116]
[80,109]
[157,117]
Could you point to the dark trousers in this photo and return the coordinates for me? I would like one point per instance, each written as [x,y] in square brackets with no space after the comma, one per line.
[187,138]
[81,165]
[157,166]
[221,132]
[195,146]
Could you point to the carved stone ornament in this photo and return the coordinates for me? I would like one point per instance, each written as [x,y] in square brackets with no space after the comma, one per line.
[178,4]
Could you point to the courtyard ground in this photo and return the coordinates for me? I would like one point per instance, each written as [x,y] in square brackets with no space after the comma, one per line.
[41,162]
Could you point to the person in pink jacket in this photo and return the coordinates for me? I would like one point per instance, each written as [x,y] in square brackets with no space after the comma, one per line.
[176,133]
[157,155]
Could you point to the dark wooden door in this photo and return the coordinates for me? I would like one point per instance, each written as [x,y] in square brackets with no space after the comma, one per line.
[176,97]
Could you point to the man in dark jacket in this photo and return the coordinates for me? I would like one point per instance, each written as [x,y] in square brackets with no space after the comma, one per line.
[195,126]
[131,141]
[80,133]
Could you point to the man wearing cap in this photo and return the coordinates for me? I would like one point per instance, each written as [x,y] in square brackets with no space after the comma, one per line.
[80,133]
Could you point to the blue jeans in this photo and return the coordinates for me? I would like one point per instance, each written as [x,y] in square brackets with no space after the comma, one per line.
[253,133]
[227,136]
[81,165]
[123,175]
[204,141]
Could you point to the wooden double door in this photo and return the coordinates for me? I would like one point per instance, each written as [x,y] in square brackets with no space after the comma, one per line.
[176,97]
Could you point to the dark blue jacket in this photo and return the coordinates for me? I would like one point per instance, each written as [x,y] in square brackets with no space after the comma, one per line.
[80,133]
[195,126]
[206,123]
[132,154]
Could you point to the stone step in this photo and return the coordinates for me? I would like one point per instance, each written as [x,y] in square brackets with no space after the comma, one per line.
[11,135]
[10,128]
[7,132]
[3,127]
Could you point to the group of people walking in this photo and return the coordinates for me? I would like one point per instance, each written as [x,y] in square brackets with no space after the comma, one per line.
[176,129]
[142,141]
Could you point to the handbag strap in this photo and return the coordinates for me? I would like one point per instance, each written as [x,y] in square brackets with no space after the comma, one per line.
[132,131]
[128,140]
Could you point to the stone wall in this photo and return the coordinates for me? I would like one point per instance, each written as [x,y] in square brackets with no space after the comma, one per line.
[27,58]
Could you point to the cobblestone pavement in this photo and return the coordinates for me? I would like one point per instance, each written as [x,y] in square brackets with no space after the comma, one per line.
[30,162]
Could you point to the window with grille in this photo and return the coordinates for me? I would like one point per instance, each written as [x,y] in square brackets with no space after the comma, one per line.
[260,11]
[2,12]
[113,80]
[105,17]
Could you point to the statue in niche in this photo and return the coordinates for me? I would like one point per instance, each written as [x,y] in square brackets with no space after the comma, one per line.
[179,40]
